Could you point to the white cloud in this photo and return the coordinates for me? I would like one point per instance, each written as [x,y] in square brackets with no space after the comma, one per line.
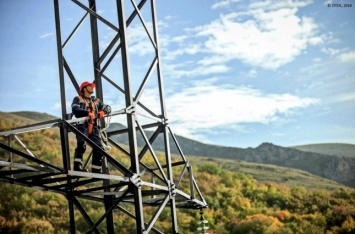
[267,39]
[347,57]
[44,35]
[203,107]
[272,5]
[330,51]
[225,3]
[345,97]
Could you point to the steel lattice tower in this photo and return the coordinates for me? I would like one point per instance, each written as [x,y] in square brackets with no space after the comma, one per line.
[139,184]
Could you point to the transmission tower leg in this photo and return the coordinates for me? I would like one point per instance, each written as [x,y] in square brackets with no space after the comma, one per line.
[99,94]
[130,118]
[71,215]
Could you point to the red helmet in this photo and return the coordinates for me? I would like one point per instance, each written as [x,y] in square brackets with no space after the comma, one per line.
[84,84]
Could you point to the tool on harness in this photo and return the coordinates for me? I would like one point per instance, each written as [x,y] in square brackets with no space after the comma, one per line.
[91,121]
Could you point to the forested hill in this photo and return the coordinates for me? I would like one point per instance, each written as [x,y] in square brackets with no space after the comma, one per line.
[242,197]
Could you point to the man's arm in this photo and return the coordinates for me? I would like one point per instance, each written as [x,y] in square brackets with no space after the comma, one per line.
[79,108]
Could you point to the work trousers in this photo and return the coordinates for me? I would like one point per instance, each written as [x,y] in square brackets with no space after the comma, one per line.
[81,146]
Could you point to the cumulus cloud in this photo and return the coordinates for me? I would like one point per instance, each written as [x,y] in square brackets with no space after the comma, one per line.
[263,34]
[259,37]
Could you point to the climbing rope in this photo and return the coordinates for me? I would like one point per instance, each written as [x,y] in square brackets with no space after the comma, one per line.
[103,134]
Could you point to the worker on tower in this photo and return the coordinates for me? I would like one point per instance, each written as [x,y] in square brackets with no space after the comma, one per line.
[86,105]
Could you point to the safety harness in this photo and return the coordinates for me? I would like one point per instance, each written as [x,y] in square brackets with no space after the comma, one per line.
[91,106]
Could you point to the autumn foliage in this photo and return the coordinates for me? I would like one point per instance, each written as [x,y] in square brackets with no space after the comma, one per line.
[238,203]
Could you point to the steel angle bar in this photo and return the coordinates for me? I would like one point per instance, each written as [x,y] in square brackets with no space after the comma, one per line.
[38,178]
[17,166]
[149,117]
[103,193]
[149,193]
[30,184]
[46,165]
[110,209]
[186,165]
[143,23]
[114,40]
[147,168]
[174,164]
[191,179]
[197,203]
[145,80]
[156,214]
[148,144]
[148,110]
[23,145]
[138,103]
[158,118]
[152,172]
[93,13]
[125,130]
[75,29]
[60,58]
[70,74]
[151,140]
[84,214]
[98,176]
[134,217]
[95,191]
[114,162]
[177,144]
[114,143]
[31,128]
[75,184]
[13,173]
[104,54]
[113,83]
[156,186]
[198,191]
[83,119]
[134,13]
[56,179]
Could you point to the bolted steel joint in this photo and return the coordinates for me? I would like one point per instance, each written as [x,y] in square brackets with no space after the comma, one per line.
[172,190]
[136,180]
[130,110]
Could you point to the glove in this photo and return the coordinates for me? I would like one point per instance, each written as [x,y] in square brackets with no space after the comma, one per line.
[91,115]
[101,114]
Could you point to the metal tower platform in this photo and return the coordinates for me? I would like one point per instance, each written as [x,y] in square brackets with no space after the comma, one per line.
[150,178]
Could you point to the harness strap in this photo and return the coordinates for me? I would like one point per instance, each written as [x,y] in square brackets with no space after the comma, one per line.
[91,107]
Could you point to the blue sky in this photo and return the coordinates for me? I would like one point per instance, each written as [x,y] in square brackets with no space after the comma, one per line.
[236,73]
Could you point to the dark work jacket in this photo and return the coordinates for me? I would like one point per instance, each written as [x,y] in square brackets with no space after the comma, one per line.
[80,108]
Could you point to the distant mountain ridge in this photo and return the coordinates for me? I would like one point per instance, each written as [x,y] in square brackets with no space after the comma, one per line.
[332,166]
[339,149]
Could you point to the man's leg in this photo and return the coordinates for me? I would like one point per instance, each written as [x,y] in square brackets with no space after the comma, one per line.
[78,156]
[96,155]
[80,150]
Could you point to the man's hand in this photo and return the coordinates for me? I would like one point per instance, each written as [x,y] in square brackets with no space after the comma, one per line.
[101,114]
[91,115]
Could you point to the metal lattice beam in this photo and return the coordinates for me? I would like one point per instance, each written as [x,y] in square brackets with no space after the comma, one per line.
[138,184]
